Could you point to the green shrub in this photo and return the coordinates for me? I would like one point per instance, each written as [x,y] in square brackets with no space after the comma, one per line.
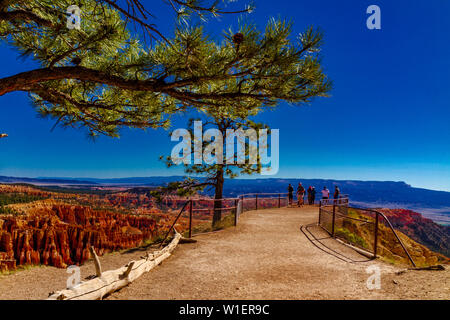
[351,237]
[7,210]
[11,198]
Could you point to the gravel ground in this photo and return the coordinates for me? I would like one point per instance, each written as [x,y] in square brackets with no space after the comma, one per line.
[271,254]
[35,283]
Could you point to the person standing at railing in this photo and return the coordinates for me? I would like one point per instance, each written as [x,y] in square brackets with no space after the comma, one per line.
[300,194]
[309,192]
[290,194]
[313,195]
[337,192]
[325,193]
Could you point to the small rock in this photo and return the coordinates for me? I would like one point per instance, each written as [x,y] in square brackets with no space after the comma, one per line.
[395,281]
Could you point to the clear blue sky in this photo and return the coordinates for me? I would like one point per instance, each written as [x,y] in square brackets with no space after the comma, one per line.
[387,119]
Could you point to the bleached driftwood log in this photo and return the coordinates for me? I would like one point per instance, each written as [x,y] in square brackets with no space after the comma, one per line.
[98,267]
[113,280]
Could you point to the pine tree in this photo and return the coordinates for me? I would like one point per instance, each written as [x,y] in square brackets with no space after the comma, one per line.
[101,76]
[269,68]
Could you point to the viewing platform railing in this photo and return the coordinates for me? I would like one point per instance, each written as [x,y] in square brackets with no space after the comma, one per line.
[336,217]
[196,215]
[357,226]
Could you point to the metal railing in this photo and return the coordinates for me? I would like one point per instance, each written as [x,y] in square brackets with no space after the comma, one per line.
[196,214]
[355,225]
[256,201]
[335,216]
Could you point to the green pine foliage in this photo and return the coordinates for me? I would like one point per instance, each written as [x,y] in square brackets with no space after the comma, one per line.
[104,77]
[102,44]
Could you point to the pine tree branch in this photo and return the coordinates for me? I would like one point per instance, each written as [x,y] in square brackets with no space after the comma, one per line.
[24,16]
[209,9]
[128,116]
[133,17]
[78,48]
[25,80]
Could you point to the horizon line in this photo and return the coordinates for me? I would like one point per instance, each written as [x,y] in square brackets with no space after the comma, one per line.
[241,178]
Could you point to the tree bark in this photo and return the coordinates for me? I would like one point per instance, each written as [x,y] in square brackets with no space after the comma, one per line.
[218,195]
[98,266]
[26,81]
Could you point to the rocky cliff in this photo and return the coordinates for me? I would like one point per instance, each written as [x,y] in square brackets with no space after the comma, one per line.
[423,230]
[60,235]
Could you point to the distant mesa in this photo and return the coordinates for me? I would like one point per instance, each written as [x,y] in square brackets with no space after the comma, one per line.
[389,194]
[45,181]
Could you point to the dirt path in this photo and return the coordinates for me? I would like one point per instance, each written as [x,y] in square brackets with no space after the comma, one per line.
[271,254]
[268,257]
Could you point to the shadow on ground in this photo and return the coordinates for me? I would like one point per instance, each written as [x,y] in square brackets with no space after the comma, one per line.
[328,244]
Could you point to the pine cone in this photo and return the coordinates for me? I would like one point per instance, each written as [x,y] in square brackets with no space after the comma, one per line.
[238,38]
[76,61]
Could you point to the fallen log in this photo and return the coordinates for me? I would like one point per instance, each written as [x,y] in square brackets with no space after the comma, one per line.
[113,280]
[98,267]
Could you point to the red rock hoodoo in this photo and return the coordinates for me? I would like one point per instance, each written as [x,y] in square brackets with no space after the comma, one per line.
[61,235]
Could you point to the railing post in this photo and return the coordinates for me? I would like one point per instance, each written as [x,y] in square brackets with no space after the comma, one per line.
[256,204]
[236,203]
[320,212]
[375,244]
[190,218]
[334,220]
[279,200]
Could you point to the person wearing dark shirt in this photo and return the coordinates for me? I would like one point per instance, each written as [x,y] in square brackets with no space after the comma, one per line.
[313,195]
[309,191]
[336,192]
[290,193]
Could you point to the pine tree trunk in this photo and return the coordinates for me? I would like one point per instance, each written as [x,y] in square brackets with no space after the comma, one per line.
[218,195]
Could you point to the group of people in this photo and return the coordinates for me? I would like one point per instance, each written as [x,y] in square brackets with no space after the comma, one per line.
[311,191]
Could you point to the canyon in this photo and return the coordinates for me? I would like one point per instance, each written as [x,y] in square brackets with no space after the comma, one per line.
[57,227]
[61,235]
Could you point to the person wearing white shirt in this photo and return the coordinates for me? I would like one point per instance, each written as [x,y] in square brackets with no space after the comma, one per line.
[325,193]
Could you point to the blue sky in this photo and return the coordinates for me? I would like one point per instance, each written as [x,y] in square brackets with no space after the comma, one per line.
[387,118]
